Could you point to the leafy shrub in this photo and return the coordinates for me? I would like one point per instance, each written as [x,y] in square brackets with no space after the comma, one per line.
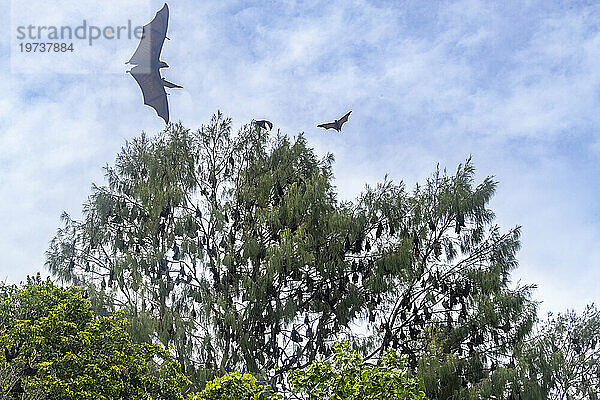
[52,346]
[348,377]
[234,386]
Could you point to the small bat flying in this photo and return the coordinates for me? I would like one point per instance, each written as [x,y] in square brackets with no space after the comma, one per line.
[147,67]
[337,124]
[263,123]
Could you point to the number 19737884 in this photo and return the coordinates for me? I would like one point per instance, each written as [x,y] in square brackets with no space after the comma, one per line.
[42,47]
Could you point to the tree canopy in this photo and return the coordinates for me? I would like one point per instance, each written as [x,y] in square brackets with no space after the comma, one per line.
[562,359]
[54,347]
[236,251]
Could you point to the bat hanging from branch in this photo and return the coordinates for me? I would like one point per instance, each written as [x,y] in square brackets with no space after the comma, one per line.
[264,124]
[147,63]
[337,124]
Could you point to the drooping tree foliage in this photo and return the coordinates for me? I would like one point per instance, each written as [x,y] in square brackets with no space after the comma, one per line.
[236,250]
[52,346]
[441,277]
[562,359]
[219,245]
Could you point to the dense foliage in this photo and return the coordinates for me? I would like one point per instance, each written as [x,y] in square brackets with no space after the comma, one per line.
[442,282]
[54,347]
[348,377]
[562,361]
[235,386]
[229,248]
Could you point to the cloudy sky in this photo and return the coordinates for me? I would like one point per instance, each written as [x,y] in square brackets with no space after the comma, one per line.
[515,85]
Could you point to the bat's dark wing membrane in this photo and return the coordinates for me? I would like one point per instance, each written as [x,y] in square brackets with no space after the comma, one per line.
[344,119]
[171,85]
[153,37]
[153,91]
[330,125]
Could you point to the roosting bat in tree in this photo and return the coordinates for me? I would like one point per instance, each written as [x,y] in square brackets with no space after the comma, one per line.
[263,123]
[147,64]
[337,124]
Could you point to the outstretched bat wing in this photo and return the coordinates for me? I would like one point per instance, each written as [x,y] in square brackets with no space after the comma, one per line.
[330,125]
[153,91]
[168,84]
[344,119]
[153,37]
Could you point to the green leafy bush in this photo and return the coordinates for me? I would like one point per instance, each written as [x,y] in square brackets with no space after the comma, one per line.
[52,346]
[348,377]
[234,386]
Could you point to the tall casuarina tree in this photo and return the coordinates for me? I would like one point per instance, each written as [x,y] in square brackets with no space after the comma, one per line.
[235,250]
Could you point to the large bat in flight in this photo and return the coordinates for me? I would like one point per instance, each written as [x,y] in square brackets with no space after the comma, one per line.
[147,62]
[337,124]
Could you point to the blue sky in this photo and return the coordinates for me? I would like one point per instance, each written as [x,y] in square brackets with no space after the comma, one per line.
[516,85]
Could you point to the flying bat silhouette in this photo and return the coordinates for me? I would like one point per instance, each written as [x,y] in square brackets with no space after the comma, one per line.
[263,123]
[337,124]
[147,62]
